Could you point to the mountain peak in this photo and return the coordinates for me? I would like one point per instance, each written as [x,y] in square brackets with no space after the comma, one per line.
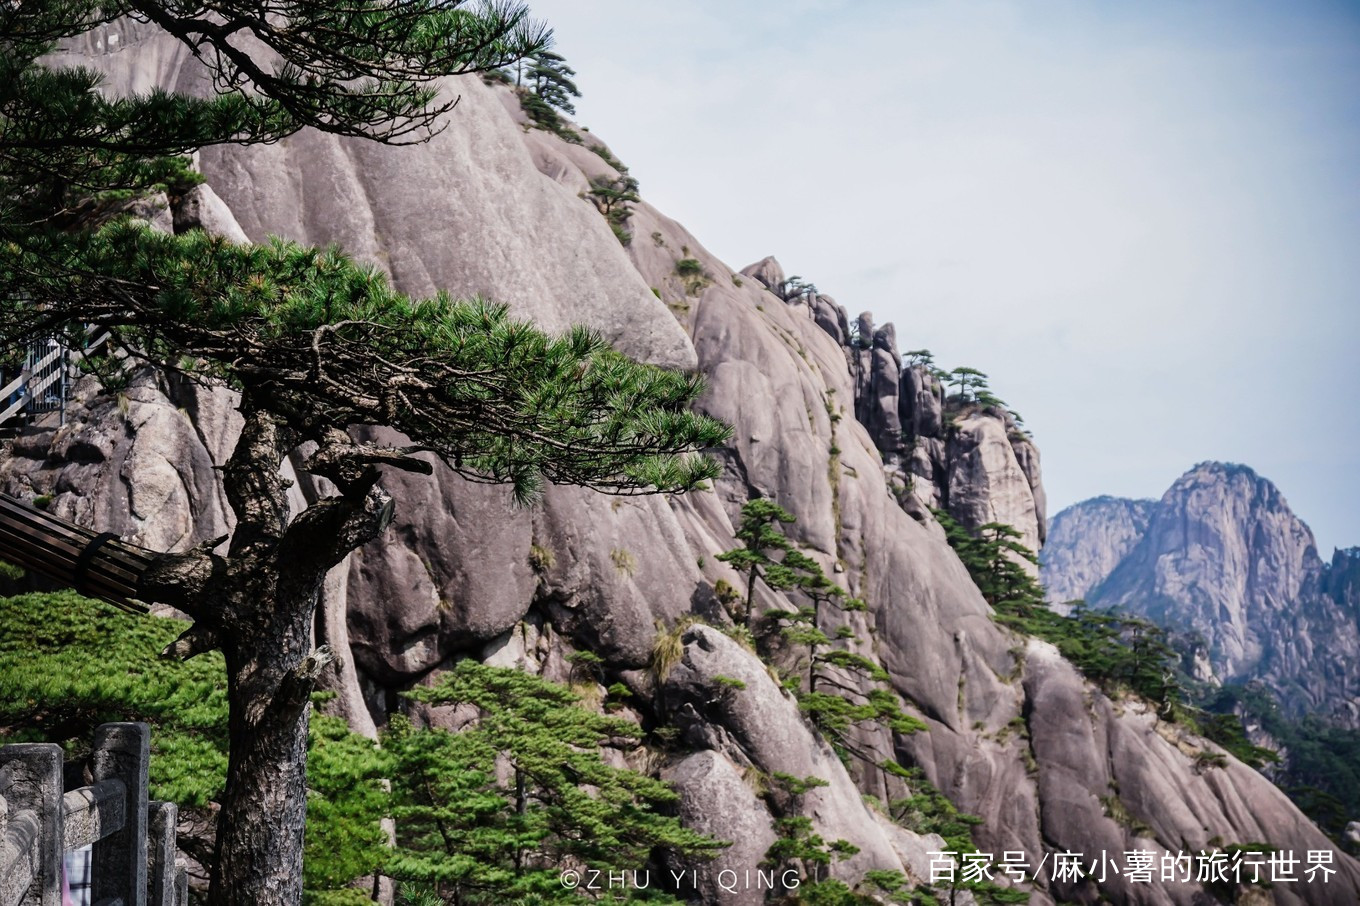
[1223,556]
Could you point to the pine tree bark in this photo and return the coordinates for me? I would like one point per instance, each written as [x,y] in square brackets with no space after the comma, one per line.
[258,858]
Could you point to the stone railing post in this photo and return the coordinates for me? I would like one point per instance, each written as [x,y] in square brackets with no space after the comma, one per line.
[31,843]
[122,751]
[161,821]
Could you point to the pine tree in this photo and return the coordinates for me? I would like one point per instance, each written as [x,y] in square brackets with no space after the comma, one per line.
[1116,651]
[969,381]
[913,357]
[798,847]
[543,81]
[835,712]
[492,814]
[795,288]
[68,664]
[349,783]
[314,342]
[550,78]
[761,540]
[612,197]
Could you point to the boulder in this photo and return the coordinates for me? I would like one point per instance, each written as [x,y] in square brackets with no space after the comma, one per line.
[922,408]
[715,799]
[768,272]
[987,482]
[201,209]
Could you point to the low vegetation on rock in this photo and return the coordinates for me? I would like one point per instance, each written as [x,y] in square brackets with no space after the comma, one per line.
[1118,652]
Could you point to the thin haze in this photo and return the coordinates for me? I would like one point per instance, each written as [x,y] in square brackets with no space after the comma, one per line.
[1142,220]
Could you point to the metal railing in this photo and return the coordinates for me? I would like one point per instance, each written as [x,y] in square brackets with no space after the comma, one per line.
[43,383]
[133,838]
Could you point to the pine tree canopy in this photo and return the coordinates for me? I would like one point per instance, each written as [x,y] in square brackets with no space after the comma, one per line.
[492,813]
[324,343]
[551,77]
[312,337]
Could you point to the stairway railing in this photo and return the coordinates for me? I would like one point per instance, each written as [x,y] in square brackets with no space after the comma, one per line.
[43,385]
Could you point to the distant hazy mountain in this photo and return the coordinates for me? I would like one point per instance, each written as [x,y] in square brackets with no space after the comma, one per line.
[1223,556]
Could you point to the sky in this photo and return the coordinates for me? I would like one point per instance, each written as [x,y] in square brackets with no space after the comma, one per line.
[1141,220]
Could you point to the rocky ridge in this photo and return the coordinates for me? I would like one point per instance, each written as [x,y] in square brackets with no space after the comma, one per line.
[1015,735]
[1221,556]
[1088,541]
[972,461]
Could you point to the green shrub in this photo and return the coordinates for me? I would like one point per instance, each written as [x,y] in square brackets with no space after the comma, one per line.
[541,558]
[68,664]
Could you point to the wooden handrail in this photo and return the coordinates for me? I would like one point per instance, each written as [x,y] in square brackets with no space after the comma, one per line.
[95,564]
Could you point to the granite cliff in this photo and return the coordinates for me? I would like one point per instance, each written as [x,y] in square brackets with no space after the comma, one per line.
[826,422]
[1222,557]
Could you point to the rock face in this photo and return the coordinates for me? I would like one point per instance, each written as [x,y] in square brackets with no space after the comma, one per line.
[1221,555]
[825,423]
[1087,541]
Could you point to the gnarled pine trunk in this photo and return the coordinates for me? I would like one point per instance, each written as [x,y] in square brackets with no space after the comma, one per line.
[257,605]
[258,858]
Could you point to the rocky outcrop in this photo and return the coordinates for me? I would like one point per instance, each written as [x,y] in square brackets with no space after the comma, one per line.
[139,462]
[201,209]
[757,726]
[971,460]
[1222,556]
[715,799]
[986,480]
[1014,734]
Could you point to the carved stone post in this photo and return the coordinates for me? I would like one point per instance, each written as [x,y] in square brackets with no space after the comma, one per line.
[122,751]
[33,805]
[161,843]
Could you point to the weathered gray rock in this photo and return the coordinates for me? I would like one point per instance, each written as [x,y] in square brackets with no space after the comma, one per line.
[471,586]
[1027,457]
[878,390]
[1112,777]
[485,208]
[922,408]
[761,720]
[1341,582]
[154,210]
[453,214]
[904,412]
[831,318]
[201,209]
[139,464]
[716,800]
[1087,541]
[768,272]
[987,482]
